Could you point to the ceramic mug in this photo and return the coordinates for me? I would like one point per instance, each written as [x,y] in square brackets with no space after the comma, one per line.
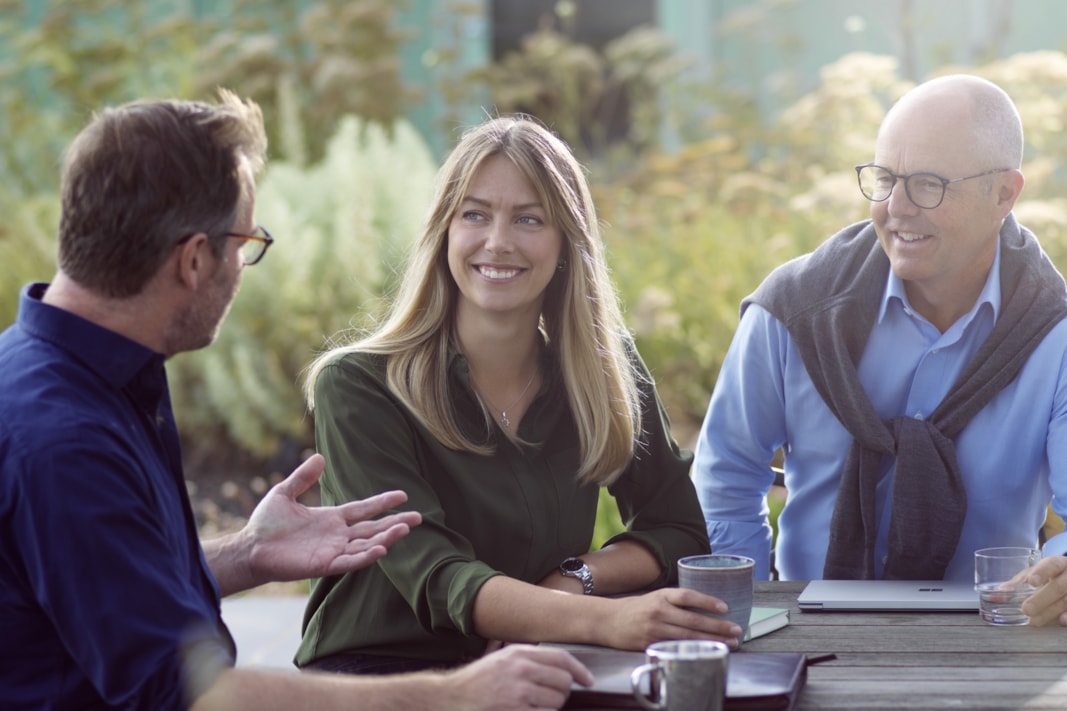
[684,675]
[727,577]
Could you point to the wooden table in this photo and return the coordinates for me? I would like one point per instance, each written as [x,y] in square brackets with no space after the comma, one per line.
[915,660]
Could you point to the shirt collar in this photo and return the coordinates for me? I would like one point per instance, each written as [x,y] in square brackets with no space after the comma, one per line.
[119,361]
[990,293]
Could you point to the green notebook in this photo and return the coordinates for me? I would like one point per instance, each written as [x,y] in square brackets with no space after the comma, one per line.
[766,619]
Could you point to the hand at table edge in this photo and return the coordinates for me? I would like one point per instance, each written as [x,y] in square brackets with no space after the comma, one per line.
[1049,604]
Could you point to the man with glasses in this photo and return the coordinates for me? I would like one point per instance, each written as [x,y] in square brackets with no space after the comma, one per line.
[911,371]
[107,598]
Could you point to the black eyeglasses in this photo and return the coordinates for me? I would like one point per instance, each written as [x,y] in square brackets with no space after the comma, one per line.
[925,190]
[253,247]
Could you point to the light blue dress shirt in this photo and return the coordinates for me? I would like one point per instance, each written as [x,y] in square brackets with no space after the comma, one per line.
[1012,455]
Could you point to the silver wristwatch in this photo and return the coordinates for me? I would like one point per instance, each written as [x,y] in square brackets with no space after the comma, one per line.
[576,568]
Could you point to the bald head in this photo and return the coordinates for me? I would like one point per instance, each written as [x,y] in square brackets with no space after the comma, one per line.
[964,133]
[962,109]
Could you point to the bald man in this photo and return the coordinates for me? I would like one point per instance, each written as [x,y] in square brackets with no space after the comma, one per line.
[911,369]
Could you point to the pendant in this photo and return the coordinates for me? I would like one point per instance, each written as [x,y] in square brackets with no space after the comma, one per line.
[504,419]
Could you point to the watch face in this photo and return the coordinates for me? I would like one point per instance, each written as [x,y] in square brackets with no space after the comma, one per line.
[572,565]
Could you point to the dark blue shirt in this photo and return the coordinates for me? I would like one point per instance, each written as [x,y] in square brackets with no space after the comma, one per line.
[106,600]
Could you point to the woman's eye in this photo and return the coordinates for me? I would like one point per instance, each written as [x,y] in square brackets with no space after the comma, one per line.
[529,220]
[471,216]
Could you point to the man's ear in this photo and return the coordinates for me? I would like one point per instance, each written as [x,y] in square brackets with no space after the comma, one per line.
[192,261]
[1008,188]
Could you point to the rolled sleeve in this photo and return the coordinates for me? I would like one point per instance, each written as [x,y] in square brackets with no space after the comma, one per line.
[372,444]
[517,511]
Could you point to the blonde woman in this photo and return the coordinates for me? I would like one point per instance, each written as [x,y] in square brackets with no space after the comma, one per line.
[501,392]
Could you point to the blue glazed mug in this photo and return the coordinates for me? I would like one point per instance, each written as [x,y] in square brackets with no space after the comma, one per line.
[727,577]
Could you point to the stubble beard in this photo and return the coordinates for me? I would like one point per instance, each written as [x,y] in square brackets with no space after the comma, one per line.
[197,325]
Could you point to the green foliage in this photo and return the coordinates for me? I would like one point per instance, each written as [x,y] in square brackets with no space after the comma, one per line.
[608,520]
[27,247]
[1037,82]
[689,231]
[342,226]
[583,94]
[333,57]
[60,60]
[65,59]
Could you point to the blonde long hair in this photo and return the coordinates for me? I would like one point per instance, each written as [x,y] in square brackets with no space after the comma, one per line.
[580,318]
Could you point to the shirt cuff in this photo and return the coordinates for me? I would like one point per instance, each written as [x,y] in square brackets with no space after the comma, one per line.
[1057,545]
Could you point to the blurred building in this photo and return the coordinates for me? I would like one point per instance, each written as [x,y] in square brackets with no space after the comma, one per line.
[771,48]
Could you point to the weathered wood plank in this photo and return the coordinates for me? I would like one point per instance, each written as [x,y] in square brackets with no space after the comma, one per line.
[968,674]
[874,637]
[918,694]
[936,661]
[917,661]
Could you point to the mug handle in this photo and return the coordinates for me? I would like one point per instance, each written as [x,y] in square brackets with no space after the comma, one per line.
[635,684]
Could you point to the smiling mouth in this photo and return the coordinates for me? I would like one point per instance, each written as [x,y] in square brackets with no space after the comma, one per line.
[911,236]
[495,273]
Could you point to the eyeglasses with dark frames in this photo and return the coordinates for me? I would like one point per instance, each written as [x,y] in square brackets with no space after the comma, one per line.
[925,190]
[253,246]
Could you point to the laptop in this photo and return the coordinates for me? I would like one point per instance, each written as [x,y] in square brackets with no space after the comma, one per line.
[888,596]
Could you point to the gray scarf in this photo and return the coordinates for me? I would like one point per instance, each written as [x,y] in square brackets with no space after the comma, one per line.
[828,301]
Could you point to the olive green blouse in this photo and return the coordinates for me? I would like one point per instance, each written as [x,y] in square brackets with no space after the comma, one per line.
[518,512]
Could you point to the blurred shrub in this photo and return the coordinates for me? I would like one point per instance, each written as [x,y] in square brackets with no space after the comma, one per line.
[1037,82]
[62,60]
[327,59]
[342,226]
[689,232]
[319,59]
[693,232]
[27,246]
[592,99]
[608,520]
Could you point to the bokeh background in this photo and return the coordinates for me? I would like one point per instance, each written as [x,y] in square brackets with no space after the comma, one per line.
[719,136]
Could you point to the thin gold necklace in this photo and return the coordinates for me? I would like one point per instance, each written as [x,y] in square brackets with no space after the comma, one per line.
[505,421]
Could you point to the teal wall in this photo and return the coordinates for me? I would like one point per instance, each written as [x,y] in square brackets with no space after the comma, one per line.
[775,49]
[784,43]
[434,33]
[771,49]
